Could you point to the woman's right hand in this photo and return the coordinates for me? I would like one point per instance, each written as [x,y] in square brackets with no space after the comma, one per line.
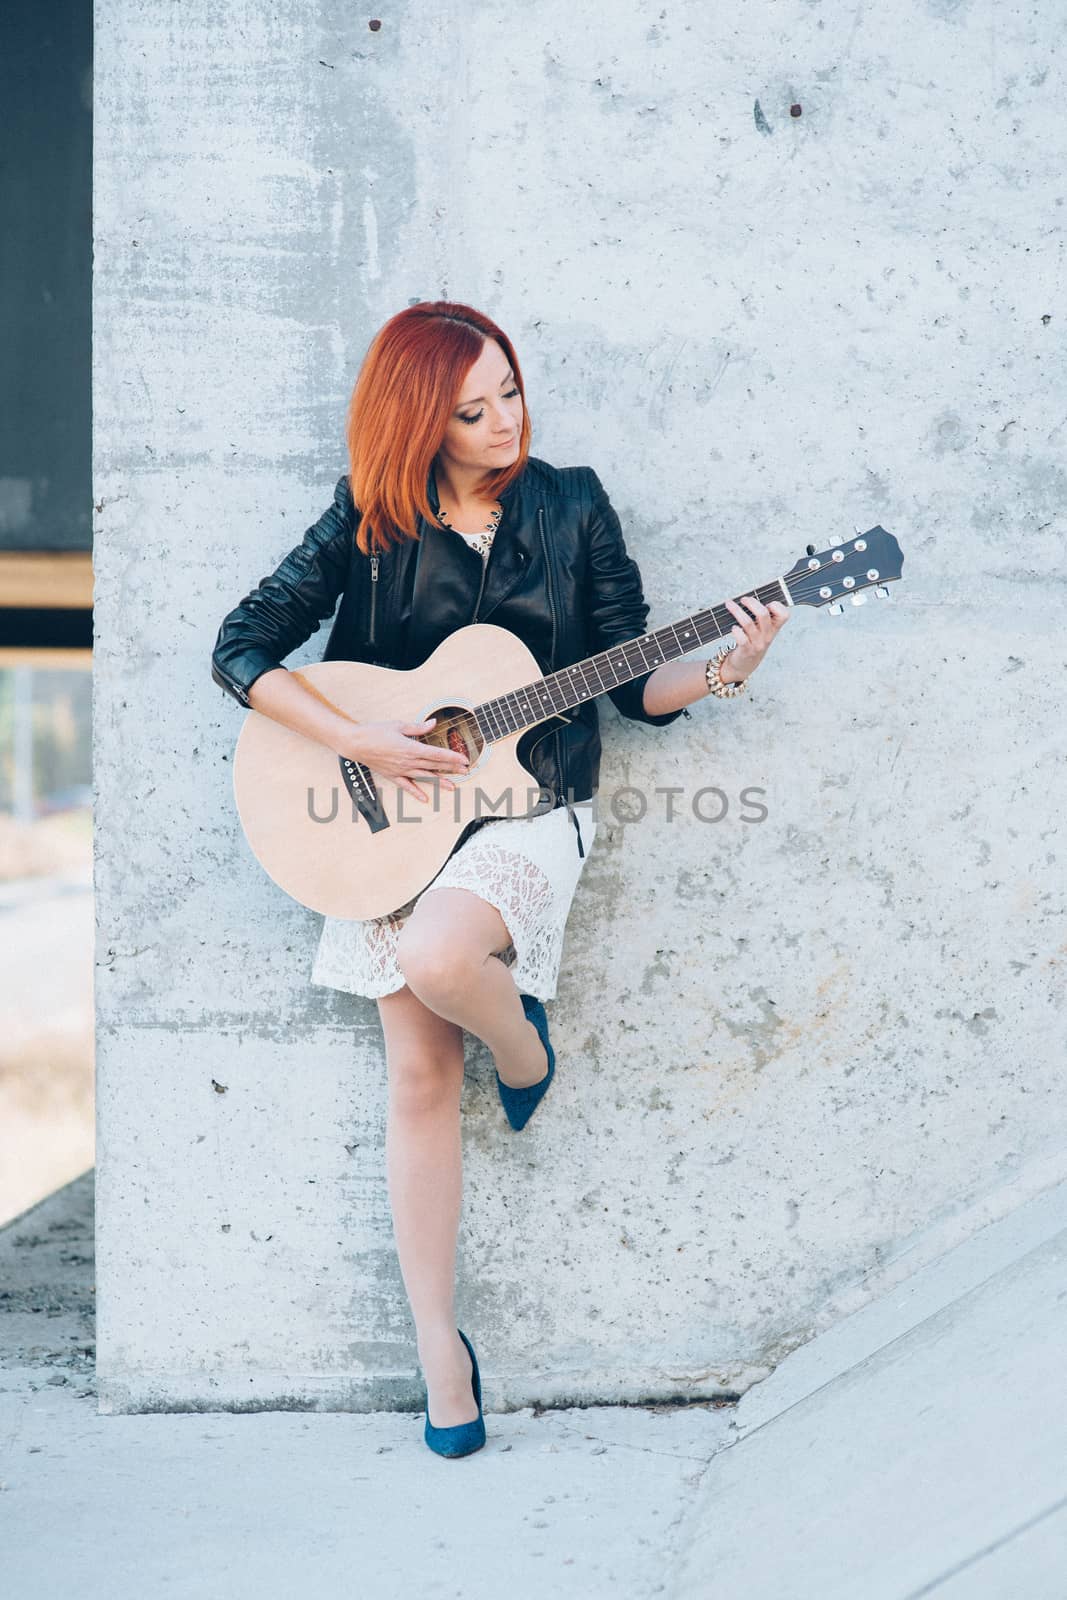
[395,750]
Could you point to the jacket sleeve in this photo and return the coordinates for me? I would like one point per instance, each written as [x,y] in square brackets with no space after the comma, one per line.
[287,607]
[617,607]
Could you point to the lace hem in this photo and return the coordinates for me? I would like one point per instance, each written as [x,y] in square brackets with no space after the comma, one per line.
[532,895]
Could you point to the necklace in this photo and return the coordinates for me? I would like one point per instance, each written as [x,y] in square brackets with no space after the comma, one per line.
[482,540]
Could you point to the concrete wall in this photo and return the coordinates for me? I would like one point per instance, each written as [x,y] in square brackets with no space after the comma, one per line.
[797,1058]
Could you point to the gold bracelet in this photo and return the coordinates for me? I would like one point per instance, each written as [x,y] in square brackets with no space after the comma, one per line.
[714,678]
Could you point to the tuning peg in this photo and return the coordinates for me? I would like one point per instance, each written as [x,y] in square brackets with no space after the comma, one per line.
[810,550]
[884,590]
[858,599]
[835,608]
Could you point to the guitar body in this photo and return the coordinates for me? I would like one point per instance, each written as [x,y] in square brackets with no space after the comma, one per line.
[344,851]
[349,843]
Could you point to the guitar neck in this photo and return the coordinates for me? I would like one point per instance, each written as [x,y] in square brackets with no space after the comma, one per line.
[560,691]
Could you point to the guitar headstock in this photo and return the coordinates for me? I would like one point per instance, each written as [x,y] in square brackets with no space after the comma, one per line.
[870,560]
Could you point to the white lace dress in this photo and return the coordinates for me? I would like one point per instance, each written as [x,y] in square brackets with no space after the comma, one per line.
[527,867]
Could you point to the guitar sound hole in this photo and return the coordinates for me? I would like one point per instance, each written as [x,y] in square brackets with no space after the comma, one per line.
[455,729]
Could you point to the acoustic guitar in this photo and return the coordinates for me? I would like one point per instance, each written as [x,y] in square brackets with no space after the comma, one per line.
[348,842]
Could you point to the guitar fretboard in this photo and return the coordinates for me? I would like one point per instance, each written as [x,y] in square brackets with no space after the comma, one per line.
[585,680]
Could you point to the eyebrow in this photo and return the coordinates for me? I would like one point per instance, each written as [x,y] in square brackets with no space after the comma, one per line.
[505,379]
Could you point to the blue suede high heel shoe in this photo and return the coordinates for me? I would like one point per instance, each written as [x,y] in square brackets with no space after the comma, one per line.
[465,1437]
[520,1104]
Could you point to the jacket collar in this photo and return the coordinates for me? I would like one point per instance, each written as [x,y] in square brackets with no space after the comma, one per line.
[448,573]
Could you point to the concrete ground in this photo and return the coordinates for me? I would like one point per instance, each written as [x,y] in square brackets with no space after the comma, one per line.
[46,1014]
[917,1448]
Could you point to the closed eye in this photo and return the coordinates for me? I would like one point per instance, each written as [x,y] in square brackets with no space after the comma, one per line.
[479,414]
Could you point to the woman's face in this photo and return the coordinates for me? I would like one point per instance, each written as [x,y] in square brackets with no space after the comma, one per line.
[483,430]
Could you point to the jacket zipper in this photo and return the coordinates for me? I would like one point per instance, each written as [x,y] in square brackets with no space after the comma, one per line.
[533,747]
[238,689]
[373,593]
[561,762]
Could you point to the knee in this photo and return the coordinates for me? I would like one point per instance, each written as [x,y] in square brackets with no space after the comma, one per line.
[433,967]
[420,1083]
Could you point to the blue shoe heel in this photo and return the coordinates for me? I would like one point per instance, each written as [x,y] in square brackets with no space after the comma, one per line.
[465,1437]
[520,1104]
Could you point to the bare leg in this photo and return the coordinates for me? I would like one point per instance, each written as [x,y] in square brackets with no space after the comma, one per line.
[447,945]
[423,1155]
[447,952]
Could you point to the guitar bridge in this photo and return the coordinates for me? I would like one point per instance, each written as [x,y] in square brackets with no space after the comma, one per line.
[363,792]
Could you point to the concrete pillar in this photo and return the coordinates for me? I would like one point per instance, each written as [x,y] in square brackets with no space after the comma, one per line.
[778,275]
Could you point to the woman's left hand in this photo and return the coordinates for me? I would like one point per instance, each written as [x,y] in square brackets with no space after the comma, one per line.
[754,634]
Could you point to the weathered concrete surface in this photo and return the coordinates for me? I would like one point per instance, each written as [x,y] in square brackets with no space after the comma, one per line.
[915,1448]
[578,1503]
[798,1058]
[47,1291]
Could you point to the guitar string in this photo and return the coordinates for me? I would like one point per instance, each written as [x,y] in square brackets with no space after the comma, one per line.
[627,648]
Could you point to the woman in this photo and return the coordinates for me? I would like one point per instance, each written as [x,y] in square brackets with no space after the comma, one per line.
[440,479]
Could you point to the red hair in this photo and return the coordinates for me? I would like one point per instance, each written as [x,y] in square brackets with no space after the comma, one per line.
[407,389]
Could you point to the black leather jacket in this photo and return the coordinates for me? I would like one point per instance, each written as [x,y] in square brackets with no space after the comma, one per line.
[558,575]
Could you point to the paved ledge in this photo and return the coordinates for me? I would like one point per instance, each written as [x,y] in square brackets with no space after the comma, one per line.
[917,1448]
[574,1503]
